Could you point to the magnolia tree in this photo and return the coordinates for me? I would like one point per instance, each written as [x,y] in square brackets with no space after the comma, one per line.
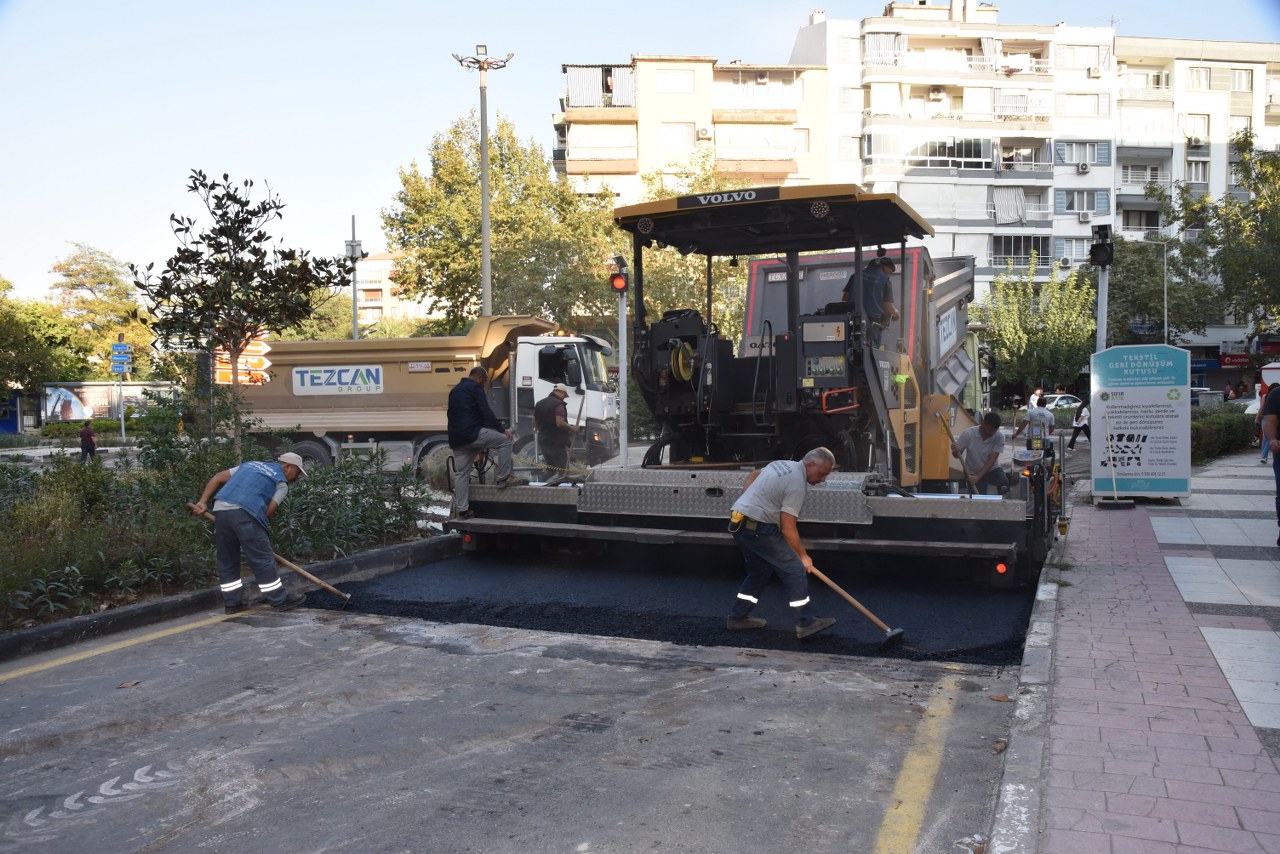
[227,284]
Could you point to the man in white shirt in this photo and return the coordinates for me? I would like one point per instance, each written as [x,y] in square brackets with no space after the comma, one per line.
[981,446]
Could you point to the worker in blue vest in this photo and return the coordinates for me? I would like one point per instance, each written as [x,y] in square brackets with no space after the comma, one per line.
[244,500]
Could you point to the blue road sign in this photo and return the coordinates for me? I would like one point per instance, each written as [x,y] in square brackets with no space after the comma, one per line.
[121,367]
[121,357]
[121,348]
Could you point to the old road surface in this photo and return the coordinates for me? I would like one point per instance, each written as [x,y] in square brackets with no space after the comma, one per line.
[521,703]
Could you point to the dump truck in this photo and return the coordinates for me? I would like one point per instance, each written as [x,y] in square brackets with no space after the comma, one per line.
[329,398]
[809,370]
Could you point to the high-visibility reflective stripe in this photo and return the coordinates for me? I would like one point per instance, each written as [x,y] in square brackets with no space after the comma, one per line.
[753,600]
[800,603]
[232,586]
[275,585]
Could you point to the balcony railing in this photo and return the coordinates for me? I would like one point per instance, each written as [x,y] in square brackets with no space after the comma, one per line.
[1135,183]
[756,152]
[881,161]
[601,152]
[1009,113]
[1146,93]
[1019,111]
[1140,232]
[924,60]
[1026,166]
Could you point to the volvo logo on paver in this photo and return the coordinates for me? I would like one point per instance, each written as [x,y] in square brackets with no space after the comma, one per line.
[734,197]
[338,379]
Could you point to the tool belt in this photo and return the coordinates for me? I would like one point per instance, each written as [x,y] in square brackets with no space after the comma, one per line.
[737,522]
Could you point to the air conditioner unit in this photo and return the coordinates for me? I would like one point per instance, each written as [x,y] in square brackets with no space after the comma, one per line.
[1064,263]
[1082,168]
[1195,141]
[762,77]
[704,133]
[1095,71]
[936,93]
[1085,216]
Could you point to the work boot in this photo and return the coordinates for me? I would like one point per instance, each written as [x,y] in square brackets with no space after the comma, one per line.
[511,480]
[464,514]
[293,600]
[238,608]
[812,626]
[737,623]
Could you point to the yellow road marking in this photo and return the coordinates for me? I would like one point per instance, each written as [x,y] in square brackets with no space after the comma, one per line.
[112,647]
[901,825]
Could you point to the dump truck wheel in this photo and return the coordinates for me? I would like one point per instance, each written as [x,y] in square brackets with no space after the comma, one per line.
[433,466]
[313,453]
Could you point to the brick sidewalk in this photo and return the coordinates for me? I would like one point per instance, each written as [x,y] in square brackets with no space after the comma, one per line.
[1147,749]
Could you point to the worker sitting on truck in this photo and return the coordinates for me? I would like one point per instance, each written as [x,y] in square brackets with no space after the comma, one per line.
[555,433]
[246,498]
[474,429]
[981,445]
[763,524]
[877,296]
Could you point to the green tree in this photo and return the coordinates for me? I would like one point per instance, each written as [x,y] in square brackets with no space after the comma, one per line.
[1136,294]
[672,280]
[548,246]
[330,320]
[1232,239]
[1039,332]
[36,344]
[224,286]
[95,294]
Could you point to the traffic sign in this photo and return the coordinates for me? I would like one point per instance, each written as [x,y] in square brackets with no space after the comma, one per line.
[121,357]
[222,376]
[121,348]
[121,367]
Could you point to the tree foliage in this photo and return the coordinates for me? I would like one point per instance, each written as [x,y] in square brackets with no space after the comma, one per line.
[96,296]
[330,319]
[1039,332]
[1136,293]
[548,246]
[1235,240]
[36,344]
[226,284]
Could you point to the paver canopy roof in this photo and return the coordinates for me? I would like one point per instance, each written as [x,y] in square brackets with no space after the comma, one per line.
[760,220]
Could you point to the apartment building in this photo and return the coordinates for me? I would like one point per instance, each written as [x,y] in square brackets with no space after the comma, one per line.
[1011,139]
[651,115]
[377,297]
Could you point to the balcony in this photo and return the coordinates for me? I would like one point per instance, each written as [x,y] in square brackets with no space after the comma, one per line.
[1136,184]
[1146,93]
[1021,111]
[1141,233]
[756,152]
[599,159]
[949,62]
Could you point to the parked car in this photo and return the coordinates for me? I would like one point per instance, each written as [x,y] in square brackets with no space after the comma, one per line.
[1058,401]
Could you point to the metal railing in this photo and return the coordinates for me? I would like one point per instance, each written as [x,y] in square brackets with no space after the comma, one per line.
[1146,93]
[601,152]
[1139,232]
[1140,180]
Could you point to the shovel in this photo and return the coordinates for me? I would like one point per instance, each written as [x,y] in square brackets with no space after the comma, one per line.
[891,636]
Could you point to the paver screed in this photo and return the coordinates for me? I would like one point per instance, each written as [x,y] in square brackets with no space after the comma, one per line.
[1148,748]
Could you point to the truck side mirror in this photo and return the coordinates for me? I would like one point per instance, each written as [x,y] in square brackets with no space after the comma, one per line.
[573,370]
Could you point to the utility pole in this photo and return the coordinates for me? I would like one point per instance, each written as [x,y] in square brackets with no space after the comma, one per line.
[354,253]
[482,62]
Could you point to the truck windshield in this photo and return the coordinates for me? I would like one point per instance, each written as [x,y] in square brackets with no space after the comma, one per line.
[594,373]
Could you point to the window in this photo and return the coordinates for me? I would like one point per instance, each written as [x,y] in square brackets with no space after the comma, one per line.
[677,136]
[1138,174]
[1240,124]
[850,98]
[371,295]
[1080,200]
[849,147]
[1076,248]
[1198,78]
[1018,249]
[802,140]
[1081,55]
[674,81]
[1241,80]
[1080,104]
[370,315]
[1197,171]
[1197,124]
[1080,152]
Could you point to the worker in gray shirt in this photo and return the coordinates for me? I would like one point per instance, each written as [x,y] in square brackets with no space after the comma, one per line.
[981,446]
[763,524]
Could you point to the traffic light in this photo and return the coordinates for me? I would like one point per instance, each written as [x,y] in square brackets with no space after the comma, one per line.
[1102,254]
[618,282]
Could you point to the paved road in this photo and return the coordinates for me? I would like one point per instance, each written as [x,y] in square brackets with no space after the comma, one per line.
[330,731]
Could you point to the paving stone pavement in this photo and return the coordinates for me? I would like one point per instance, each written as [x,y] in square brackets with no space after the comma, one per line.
[1161,698]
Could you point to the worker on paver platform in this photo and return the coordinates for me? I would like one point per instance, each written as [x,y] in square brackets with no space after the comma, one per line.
[474,429]
[763,524]
[246,497]
[981,445]
[555,433]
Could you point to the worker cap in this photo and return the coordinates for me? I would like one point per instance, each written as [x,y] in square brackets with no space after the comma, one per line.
[294,460]
[560,387]
[887,262]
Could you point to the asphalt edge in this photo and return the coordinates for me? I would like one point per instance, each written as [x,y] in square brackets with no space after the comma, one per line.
[357,567]
[1015,826]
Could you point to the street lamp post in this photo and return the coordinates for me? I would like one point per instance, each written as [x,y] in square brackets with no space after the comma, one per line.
[482,62]
[354,253]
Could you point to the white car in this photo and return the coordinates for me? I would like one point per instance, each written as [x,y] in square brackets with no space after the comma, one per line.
[1058,401]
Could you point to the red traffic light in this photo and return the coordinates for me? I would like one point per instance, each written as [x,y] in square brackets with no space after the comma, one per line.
[618,283]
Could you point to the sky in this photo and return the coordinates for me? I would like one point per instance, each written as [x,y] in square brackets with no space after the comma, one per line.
[105,107]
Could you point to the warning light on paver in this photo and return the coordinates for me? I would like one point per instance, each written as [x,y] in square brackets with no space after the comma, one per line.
[1001,568]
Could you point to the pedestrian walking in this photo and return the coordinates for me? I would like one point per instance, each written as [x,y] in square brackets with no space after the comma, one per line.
[1039,424]
[474,429]
[1080,424]
[88,442]
[763,524]
[1271,437]
[555,433]
[245,497]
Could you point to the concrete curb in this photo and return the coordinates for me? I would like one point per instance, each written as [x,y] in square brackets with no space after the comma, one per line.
[358,567]
[1015,827]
